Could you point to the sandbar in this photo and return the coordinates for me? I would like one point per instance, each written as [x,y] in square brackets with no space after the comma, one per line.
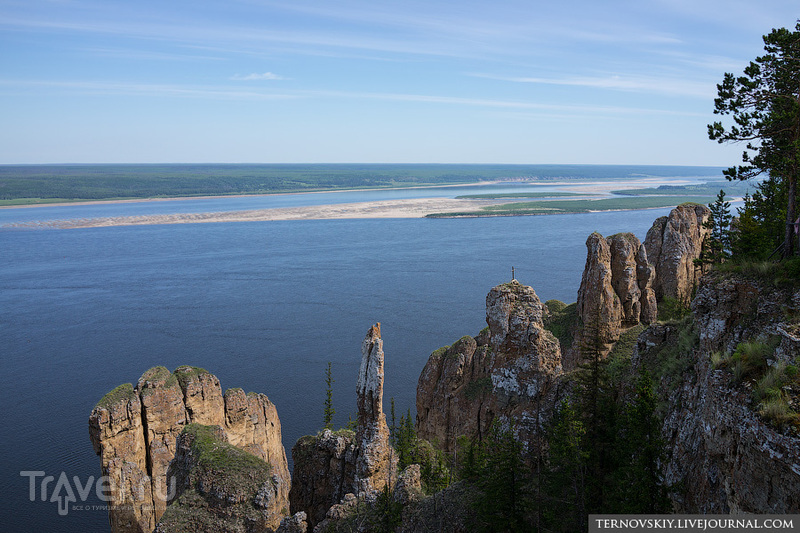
[403,208]
[397,208]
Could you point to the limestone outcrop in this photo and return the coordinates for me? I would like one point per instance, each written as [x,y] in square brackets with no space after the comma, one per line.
[497,375]
[733,460]
[673,243]
[376,463]
[324,472]
[331,465]
[731,309]
[615,293]
[135,432]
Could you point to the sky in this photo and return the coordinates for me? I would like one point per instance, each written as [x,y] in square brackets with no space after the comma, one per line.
[377,81]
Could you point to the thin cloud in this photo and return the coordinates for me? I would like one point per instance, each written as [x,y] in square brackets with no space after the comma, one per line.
[145,89]
[257,77]
[495,103]
[646,84]
[229,93]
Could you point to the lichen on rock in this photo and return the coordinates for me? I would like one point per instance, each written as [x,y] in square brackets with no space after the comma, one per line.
[464,388]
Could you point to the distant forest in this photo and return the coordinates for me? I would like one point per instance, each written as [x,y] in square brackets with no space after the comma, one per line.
[104,182]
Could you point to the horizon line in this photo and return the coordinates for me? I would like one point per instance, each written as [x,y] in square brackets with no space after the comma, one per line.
[366,163]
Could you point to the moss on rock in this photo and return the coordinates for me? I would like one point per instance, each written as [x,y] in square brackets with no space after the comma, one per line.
[122,393]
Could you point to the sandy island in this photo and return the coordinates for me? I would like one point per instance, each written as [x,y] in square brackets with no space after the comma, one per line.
[401,208]
[407,208]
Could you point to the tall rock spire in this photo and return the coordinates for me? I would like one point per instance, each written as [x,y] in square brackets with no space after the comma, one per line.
[376,464]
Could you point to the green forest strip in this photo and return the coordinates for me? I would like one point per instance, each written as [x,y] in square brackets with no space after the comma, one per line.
[559,207]
[520,195]
[33,184]
[735,188]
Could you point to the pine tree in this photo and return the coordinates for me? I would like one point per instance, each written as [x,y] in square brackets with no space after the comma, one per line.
[764,106]
[638,486]
[564,476]
[759,229]
[504,482]
[717,245]
[598,409]
[329,411]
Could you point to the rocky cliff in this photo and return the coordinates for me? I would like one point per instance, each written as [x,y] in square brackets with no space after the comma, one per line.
[730,456]
[673,243]
[615,293]
[331,465]
[729,452]
[503,373]
[135,432]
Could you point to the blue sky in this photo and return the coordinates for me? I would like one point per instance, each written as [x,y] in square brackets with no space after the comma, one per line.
[574,81]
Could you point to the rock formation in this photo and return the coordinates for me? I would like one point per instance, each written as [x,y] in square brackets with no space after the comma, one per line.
[324,472]
[331,465]
[464,387]
[615,292]
[673,243]
[135,432]
[730,309]
[731,458]
[219,487]
[376,463]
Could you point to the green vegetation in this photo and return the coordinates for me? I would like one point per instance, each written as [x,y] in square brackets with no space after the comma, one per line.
[439,352]
[189,513]
[559,207]
[749,360]
[122,393]
[716,246]
[670,360]
[604,448]
[562,321]
[434,471]
[619,359]
[520,195]
[157,375]
[702,189]
[771,385]
[763,106]
[184,374]
[214,454]
[779,274]
[758,234]
[497,469]
[104,182]
[28,184]
[220,472]
[672,309]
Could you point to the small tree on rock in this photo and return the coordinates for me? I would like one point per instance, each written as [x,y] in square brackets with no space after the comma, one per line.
[717,245]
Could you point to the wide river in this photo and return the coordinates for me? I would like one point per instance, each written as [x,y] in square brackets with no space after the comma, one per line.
[263,305]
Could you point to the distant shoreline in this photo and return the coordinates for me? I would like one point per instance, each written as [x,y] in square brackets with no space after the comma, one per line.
[587,186]
[245,195]
[394,208]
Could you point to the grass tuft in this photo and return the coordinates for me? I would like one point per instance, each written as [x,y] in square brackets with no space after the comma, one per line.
[123,393]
